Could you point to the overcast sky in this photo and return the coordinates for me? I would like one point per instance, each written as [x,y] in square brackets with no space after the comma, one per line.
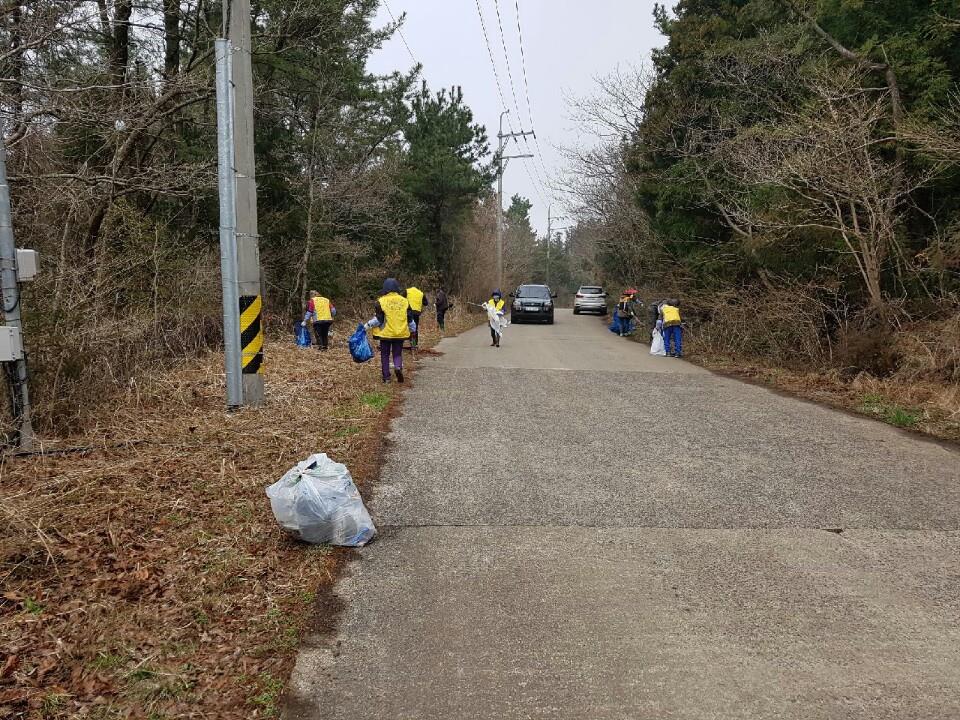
[566,44]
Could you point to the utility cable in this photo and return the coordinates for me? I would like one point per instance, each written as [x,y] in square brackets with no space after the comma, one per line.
[506,57]
[400,31]
[503,101]
[526,84]
[493,64]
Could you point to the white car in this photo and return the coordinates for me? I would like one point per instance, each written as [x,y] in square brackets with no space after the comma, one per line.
[590,298]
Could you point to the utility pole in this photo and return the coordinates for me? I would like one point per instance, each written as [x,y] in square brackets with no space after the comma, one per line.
[501,141]
[228,226]
[10,285]
[550,220]
[245,249]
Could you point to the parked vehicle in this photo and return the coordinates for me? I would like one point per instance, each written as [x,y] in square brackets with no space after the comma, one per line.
[590,298]
[532,302]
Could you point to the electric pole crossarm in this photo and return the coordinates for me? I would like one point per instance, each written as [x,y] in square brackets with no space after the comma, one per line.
[501,160]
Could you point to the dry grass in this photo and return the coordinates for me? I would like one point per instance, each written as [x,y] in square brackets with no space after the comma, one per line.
[147,577]
[804,341]
[923,405]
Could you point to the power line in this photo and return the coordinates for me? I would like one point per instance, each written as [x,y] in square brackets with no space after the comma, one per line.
[503,101]
[516,103]
[526,84]
[506,56]
[523,63]
[400,30]
[493,64]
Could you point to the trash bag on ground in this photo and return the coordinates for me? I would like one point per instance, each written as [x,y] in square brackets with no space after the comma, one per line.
[318,502]
[302,335]
[360,348]
[656,344]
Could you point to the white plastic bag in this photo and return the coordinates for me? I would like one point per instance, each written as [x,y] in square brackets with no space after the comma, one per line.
[656,344]
[497,321]
[318,502]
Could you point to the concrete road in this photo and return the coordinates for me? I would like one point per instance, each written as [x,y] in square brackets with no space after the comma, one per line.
[574,529]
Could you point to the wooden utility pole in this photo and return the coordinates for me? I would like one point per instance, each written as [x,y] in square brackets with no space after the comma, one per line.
[248,245]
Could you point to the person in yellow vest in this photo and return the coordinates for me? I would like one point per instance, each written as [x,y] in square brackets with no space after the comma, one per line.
[496,304]
[320,311]
[418,301]
[393,323]
[672,328]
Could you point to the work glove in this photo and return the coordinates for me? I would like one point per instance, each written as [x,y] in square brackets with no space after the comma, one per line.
[303,323]
[412,326]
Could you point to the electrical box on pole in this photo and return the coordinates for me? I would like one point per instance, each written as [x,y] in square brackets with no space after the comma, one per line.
[27,261]
[11,344]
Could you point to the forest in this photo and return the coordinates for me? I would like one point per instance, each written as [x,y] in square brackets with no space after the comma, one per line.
[790,169]
[110,127]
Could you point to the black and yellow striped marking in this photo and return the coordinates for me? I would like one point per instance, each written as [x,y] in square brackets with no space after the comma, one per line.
[251,334]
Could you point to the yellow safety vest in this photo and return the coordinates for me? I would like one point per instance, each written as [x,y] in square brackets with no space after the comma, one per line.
[671,315]
[321,309]
[415,297]
[497,304]
[395,323]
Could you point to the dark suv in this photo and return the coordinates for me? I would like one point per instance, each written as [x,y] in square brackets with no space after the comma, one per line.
[532,302]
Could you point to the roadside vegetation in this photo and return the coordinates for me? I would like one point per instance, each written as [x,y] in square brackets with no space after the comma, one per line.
[791,172]
[111,137]
[142,571]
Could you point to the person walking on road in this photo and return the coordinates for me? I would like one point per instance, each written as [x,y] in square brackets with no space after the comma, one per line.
[442,304]
[392,325]
[494,307]
[672,328]
[320,311]
[417,301]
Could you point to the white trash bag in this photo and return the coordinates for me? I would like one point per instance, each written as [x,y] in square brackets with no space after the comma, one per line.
[318,502]
[656,344]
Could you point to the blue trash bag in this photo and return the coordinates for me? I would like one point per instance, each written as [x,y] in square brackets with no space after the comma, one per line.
[302,335]
[616,325]
[360,348]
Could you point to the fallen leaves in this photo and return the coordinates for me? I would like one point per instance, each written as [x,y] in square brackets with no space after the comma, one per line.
[9,665]
[151,577]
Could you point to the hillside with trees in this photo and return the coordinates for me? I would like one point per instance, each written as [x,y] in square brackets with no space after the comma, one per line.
[790,169]
[111,134]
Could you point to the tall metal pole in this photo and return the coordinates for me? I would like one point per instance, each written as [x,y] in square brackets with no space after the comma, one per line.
[11,305]
[549,236]
[228,226]
[500,141]
[248,251]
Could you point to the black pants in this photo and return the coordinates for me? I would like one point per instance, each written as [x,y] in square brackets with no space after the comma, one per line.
[322,331]
[415,335]
[441,315]
[494,336]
